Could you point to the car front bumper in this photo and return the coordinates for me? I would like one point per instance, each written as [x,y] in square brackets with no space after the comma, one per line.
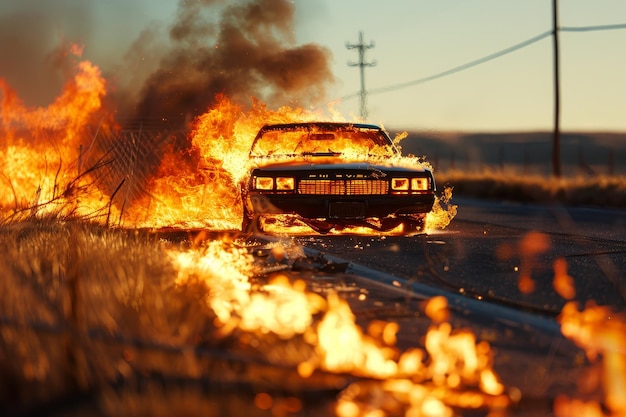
[337,206]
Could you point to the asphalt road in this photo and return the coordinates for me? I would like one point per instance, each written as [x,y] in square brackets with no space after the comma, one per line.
[477,263]
[488,246]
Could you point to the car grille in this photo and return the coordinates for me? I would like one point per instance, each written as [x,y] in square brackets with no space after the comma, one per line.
[343,187]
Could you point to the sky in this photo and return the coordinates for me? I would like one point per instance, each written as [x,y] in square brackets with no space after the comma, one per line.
[417,39]
[412,40]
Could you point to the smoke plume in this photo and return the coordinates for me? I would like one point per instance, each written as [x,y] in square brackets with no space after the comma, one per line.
[168,74]
[32,34]
[242,50]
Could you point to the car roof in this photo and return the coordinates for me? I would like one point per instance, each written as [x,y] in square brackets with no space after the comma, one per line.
[319,125]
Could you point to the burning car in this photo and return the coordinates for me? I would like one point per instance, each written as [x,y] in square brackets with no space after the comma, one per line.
[333,176]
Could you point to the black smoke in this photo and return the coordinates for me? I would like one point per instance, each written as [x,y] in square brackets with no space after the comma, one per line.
[33,39]
[240,49]
[171,72]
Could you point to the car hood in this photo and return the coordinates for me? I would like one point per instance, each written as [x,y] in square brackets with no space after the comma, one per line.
[330,164]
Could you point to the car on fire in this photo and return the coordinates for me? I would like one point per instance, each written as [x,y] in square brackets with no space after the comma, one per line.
[332,176]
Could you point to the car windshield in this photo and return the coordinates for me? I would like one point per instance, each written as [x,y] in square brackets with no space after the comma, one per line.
[324,140]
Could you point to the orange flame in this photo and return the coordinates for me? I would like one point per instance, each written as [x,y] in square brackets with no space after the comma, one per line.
[43,148]
[563,282]
[344,347]
[441,215]
[199,186]
[602,334]
[441,377]
[47,156]
[531,246]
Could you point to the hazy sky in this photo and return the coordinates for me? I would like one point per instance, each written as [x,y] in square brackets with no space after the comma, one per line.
[420,38]
[415,39]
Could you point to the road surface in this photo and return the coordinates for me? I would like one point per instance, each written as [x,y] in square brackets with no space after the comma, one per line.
[488,247]
[477,262]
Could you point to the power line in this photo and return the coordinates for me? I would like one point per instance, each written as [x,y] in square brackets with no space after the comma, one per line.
[361,47]
[456,69]
[592,28]
[484,59]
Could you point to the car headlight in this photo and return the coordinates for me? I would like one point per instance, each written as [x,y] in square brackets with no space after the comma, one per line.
[420,184]
[400,184]
[285,183]
[264,183]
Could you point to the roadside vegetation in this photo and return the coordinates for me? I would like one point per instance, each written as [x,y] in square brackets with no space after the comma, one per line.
[95,322]
[85,310]
[595,191]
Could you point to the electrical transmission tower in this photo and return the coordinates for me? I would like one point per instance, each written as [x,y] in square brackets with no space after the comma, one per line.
[361,48]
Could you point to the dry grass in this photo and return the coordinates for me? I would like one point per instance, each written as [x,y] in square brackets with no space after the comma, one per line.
[92,323]
[599,190]
[83,306]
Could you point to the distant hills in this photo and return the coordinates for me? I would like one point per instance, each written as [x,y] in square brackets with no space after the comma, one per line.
[526,152]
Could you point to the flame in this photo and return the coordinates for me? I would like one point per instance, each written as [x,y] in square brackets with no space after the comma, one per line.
[223,268]
[45,152]
[49,154]
[434,386]
[531,246]
[602,334]
[225,132]
[282,307]
[563,282]
[454,370]
[199,186]
[437,309]
[443,212]
[565,407]
[45,149]
[344,347]
[457,358]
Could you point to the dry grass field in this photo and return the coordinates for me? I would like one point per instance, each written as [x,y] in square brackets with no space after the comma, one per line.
[518,166]
[62,278]
[503,185]
[95,321]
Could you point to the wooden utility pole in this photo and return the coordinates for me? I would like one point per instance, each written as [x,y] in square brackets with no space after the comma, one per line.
[556,139]
[361,48]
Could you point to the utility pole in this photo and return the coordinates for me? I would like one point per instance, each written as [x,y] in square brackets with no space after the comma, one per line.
[556,146]
[361,48]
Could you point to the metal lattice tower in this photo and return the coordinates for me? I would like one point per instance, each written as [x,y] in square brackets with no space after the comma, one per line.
[361,48]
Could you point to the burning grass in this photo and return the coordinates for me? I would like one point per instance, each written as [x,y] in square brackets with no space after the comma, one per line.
[135,322]
[84,307]
[90,309]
